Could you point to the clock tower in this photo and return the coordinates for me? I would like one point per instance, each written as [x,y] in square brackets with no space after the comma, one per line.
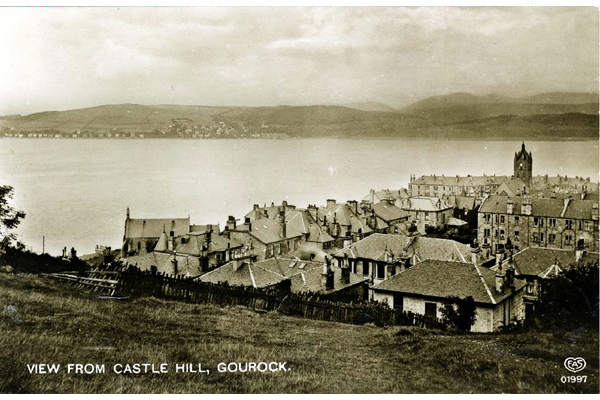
[523,165]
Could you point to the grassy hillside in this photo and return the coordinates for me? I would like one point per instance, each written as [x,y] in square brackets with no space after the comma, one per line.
[455,116]
[130,117]
[43,321]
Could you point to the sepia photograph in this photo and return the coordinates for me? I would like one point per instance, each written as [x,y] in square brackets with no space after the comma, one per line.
[299,200]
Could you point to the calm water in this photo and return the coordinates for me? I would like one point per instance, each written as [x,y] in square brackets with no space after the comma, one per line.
[75,192]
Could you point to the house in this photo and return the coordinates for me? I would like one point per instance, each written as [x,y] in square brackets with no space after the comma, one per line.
[439,186]
[395,217]
[348,222]
[464,208]
[195,253]
[536,265]
[427,212]
[424,288]
[296,275]
[394,196]
[213,248]
[168,263]
[298,220]
[521,221]
[142,234]
[265,237]
[381,256]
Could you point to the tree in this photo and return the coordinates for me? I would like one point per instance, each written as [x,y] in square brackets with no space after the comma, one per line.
[9,217]
[459,313]
[571,299]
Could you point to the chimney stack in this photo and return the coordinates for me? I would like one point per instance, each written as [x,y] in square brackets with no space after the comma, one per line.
[526,206]
[475,250]
[327,276]
[499,280]
[236,264]
[248,224]
[230,223]
[509,206]
[171,241]
[174,264]
[330,202]
[283,224]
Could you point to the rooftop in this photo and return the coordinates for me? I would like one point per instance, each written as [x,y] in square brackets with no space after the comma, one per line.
[446,278]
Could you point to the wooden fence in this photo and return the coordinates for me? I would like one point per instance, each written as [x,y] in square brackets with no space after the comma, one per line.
[130,281]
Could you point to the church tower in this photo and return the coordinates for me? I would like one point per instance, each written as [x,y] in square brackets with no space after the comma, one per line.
[523,165]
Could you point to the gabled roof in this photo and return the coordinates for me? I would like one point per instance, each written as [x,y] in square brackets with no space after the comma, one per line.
[345,217]
[446,278]
[389,212]
[536,261]
[246,275]
[426,204]
[512,187]
[186,265]
[575,209]
[374,246]
[305,276]
[301,221]
[460,202]
[386,194]
[152,228]
[194,242]
[436,180]
[270,231]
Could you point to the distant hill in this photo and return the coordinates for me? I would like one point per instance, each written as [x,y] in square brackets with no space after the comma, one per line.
[371,106]
[549,116]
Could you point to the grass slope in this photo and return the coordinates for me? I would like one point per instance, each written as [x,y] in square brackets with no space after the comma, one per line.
[43,321]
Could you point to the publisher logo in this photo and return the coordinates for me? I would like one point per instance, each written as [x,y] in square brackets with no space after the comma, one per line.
[574,364]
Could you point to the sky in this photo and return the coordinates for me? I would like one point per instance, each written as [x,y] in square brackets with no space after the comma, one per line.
[66,58]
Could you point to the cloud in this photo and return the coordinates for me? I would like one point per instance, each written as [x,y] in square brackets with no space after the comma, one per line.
[58,58]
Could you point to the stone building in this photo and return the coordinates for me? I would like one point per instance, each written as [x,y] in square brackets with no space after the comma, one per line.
[428,211]
[523,166]
[520,222]
[424,288]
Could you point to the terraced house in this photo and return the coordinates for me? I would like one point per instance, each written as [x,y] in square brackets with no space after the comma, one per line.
[440,185]
[523,222]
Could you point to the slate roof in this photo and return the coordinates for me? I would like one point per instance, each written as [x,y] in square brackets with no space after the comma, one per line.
[186,265]
[374,246]
[446,278]
[536,261]
[389,212]
[193,243]
[301,221]
[512,187]
[460,202]
[345,217]
[426,204]
[203,228]
[246,275]
[576,209]
[305,276]
[270,231]
[152,228]
[386,194]
[436,180]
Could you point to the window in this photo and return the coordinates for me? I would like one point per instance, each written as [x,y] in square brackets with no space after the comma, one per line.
[530,288]
[587,225]
[569,224]
[486,217]
[431,310]
[542,237]
[502,234]
[502,219]
[552,222]
[516,219]
[365,269]
[495,218]
[536,221]
[535,237]
[568,239]
[495,232]
[551,237]
[380,271]
[486,233]
[398,302]
[516,235]
[541,221]
[580,224]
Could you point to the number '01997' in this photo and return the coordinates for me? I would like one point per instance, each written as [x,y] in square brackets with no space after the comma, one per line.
[573,379]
